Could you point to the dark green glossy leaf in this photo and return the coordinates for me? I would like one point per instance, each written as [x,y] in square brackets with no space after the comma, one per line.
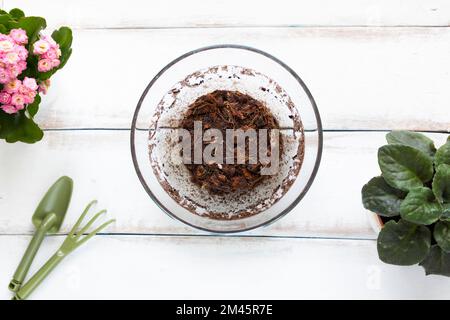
[441,183]
[443,154]
[437,262]
[7,22]
[63,36]
[419,207]
[404,167]
[445,212]
[5,18]
[16,13]
[403,243]
[412,139]
[19,127]
[442,235]
[381,198]
[34,107]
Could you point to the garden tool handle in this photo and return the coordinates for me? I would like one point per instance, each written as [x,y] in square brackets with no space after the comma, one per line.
[33,247]
[37,278]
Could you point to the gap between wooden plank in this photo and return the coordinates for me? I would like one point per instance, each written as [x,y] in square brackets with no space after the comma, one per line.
[212,235]
[305,26]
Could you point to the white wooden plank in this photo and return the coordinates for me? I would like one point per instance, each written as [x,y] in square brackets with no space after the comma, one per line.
[100,163]
[197,13]
[123,267]
[361,78]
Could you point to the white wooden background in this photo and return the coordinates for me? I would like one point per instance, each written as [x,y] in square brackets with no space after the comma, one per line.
[372,66]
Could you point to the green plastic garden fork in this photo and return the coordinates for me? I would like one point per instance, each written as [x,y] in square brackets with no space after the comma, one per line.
[73,240]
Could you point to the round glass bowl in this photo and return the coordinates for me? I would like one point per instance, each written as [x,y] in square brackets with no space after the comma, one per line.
[237,68]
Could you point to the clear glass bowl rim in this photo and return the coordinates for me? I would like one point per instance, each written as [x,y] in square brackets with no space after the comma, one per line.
[227,46]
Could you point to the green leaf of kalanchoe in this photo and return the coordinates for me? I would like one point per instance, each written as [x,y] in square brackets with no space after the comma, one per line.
[19,127]
[381,198]
[441,183]
[403,243]
[437,262]
[412,139]
[16,13]
[6,20]
[404,167]
[33,108]
[419,207]
[442,235]
[443,154]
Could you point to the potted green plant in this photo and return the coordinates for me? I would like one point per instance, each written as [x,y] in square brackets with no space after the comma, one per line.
[411,202]
[28,59]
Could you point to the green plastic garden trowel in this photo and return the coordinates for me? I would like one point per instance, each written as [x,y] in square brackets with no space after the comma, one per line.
[47,218]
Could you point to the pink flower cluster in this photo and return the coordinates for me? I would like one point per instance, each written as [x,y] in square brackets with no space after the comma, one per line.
[48,51]
[13,55]
[16,94]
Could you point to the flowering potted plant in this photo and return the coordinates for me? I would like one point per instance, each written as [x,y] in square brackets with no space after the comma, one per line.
[28,59]
[411,200]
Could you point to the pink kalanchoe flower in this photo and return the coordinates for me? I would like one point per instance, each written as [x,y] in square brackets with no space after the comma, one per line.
[41,47]
[18,100]
[22,65]
[4,76]
[23,90]
[11,57]
[5,97]
[19,36]
[27,93]
[50,54]
[55,63]
[21,107]
[30,83]
[44,65]
[9,108]
[13,86]
[29,97]
[14,70]
[50,41]
[6,45]
[22,52]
